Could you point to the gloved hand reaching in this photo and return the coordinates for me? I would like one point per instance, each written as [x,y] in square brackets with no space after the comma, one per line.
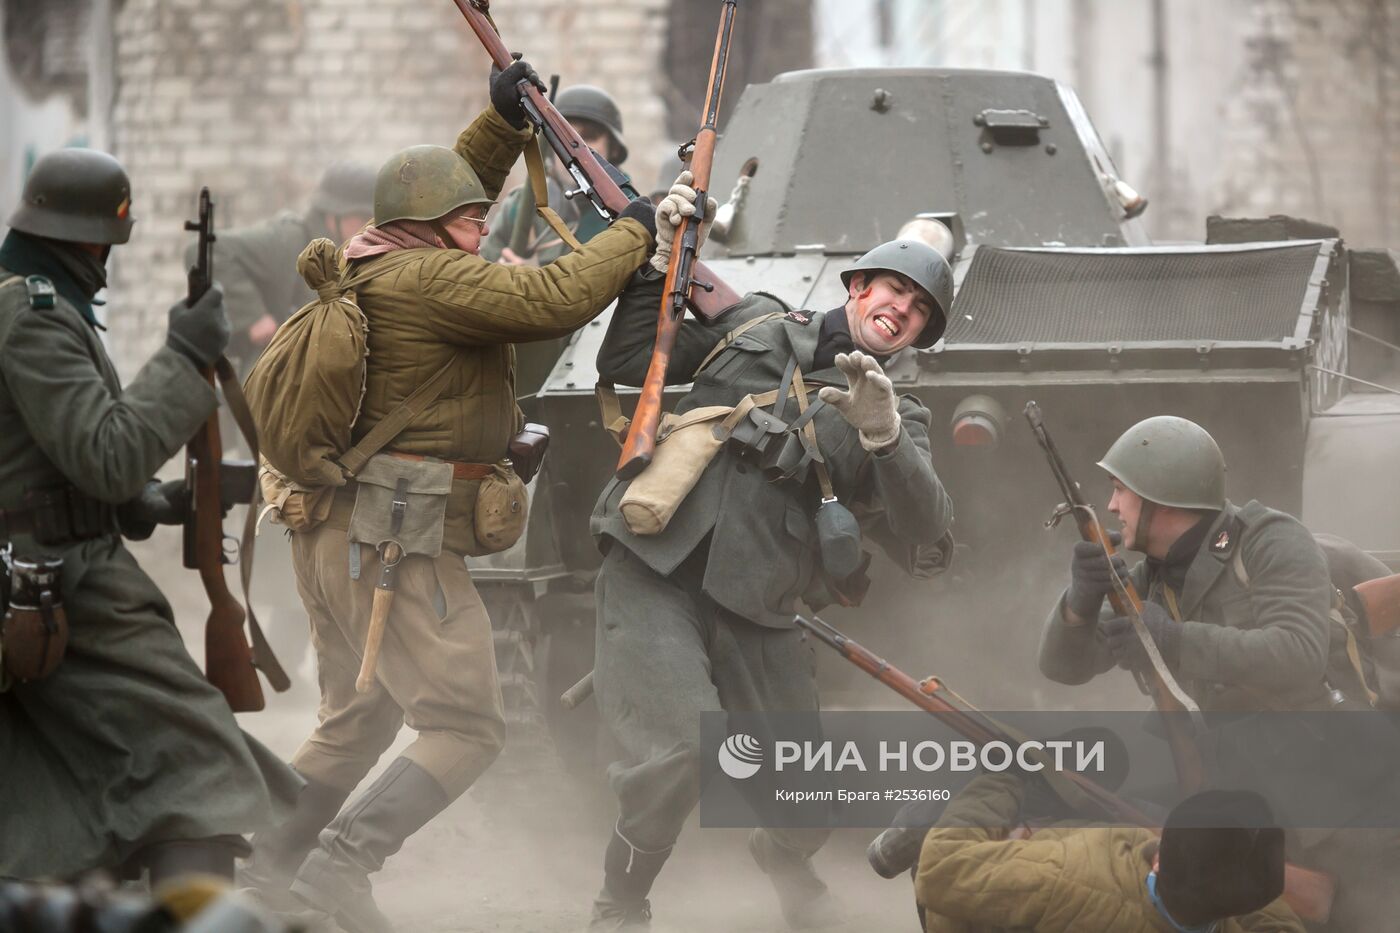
[200,332]
[678,203]
[870,406]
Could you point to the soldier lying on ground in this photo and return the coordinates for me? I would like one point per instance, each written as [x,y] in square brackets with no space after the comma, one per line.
[124,757]
[436,310]
[978,872]
[698,616]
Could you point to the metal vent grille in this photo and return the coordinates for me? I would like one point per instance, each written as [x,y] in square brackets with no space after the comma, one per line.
[1023,296]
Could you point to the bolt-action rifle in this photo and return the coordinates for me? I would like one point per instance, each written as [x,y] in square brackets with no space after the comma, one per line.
[229,660]
[1308,891]
[1158,683]
[681,281]
[592,180]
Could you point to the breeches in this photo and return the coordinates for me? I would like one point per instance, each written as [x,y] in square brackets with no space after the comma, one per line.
[436,671]
[665,654]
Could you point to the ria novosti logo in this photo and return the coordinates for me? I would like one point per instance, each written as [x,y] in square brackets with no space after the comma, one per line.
[740,756]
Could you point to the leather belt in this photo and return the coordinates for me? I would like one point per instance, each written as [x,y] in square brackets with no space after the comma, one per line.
[461,469]
[59,516]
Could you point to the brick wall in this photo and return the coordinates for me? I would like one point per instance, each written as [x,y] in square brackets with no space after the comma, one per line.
[254,100]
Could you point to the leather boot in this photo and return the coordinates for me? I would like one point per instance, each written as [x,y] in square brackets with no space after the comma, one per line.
[212,856]
[334,878]
[628,873]
[278,852]
[803,896]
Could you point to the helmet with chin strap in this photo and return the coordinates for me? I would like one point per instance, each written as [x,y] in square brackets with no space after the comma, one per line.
[925,267]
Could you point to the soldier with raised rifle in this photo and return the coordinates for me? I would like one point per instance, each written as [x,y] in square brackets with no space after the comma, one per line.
[597,118]
[440,398]
[697,615]
[117,752]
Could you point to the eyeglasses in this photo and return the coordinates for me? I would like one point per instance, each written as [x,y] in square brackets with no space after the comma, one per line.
[475,220]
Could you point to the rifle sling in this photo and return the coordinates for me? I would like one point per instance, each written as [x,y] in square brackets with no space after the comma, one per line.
[534,164]
[264,659]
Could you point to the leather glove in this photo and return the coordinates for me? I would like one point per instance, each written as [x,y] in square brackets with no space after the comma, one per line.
[642,211]
[679,202]
[870,406]
[505,95]
[200,332]
[1127,647]
[157,504]
[1091,577]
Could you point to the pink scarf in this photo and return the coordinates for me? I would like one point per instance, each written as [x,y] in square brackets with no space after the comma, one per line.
[395,235]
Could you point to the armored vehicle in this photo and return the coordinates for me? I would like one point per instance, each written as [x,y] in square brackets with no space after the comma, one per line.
[1061,298]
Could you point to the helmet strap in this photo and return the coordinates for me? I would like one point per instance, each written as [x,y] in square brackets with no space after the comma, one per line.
[1144,522]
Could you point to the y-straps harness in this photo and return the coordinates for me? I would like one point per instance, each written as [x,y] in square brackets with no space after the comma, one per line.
[1334,613]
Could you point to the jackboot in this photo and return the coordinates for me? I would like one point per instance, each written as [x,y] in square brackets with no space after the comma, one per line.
[334,878]
[628,873]
[278,852]
[212,856]
[803,896]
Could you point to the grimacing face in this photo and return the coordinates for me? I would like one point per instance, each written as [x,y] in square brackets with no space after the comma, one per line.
[886,311]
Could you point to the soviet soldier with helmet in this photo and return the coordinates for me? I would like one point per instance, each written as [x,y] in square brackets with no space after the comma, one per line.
[118,754]
[697,615]
[597,118]
[1242,609]
[258,264]
[441,325]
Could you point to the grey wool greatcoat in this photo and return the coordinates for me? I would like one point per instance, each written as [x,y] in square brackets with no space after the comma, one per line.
[1262,642]
[125,744]
[763,554]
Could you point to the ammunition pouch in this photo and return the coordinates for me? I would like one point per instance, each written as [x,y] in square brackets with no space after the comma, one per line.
[527,449]
[403,501]
[34,629]
[59,516]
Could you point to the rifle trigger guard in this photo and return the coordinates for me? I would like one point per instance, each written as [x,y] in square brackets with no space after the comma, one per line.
[1060,512]
[229,550]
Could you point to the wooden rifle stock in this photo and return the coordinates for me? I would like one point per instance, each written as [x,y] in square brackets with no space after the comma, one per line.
[1307,891]
[1190,770]
[592,179]
[228,659]
[681,282]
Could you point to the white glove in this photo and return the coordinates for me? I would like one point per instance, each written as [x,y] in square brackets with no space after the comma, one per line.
[679,202]
[870,406]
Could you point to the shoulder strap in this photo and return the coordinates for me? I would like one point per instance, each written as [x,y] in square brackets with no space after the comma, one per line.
[809,430]
[734,335]
[534,165]
[354,459]
[348,281]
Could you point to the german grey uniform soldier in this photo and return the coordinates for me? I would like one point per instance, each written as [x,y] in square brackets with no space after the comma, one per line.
[597,118]
[124,757]
[258,264]
[699,616]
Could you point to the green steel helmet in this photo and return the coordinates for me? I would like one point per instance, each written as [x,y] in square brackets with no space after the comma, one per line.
[77,195]
[1169,461]
[346,188]
[424,183]
[586,102]
[925,266]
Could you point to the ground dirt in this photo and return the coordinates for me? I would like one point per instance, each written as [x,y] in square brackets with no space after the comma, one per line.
[522,851]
